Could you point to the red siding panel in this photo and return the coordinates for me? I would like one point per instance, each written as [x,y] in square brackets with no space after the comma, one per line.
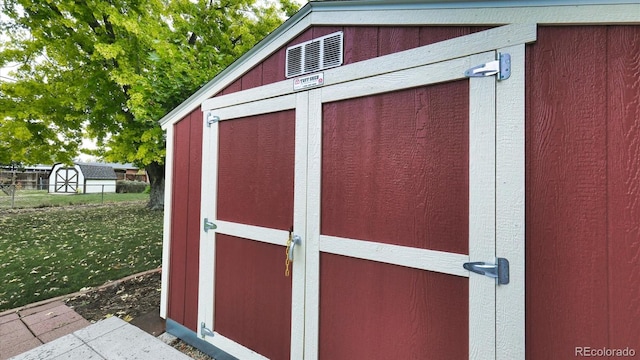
[273,67]
[395,39]
[255,181]
[566,194]
[253,78]
[185,221]
[325,30]
[370,310]
[623,74]
[233,87]
[395,168]
[253,297]
[179,211]
[360,43]
[434,34]
[193,222]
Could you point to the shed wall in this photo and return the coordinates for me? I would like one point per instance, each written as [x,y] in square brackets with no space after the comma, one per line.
[582,178]
[98,186]
[185,222]
[583,190]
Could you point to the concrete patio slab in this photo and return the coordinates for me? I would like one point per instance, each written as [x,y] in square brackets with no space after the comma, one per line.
[112,338]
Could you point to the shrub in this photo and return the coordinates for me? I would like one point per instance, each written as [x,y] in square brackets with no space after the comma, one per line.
[127,186]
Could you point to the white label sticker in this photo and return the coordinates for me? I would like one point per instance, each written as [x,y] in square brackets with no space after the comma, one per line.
[308,81]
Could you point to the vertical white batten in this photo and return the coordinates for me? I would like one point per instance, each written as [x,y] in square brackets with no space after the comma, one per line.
[482,103]
[166,224]
[207,255]
[299,227]
[312,294]
[510,207]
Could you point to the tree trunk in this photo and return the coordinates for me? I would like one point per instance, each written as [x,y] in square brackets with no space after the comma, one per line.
[156,179]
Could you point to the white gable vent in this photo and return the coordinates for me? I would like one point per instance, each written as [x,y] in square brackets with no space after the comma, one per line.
[314,55]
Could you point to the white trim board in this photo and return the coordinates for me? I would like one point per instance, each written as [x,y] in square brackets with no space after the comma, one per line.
[482,192]
[430,260]
[166,225]
[343,13]
[490,15]
[510,207]
[252,232]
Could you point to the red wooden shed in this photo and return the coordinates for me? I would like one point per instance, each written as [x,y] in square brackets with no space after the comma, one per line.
[448,179]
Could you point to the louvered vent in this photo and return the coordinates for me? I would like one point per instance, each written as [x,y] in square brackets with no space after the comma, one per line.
[315,55]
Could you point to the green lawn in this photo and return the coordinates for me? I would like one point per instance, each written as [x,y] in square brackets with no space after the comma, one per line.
[59,250]
[42,198]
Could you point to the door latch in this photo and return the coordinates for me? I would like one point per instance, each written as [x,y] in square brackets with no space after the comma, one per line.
[499,270]
[209,225]
[296,240]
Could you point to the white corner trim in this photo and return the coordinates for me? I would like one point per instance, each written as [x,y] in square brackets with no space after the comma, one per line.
[166,224]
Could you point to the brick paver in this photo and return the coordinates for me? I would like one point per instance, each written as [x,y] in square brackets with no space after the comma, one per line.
[9,317]
[29,328]
[9,350]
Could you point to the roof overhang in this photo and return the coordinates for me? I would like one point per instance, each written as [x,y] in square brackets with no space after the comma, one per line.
[412,13]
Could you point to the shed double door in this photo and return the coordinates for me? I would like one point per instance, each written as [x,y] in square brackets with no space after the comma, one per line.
[392,182]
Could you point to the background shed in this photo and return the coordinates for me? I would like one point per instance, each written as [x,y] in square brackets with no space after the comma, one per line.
[82,178]
[562,202]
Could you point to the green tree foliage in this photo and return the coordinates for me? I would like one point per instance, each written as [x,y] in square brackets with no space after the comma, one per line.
[110,69]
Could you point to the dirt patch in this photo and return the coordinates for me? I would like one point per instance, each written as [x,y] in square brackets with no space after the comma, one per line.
[127,299]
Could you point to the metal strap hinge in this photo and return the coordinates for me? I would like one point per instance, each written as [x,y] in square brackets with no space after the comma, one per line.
[499,270]
[500,67]
[205,331]
[211,119]
[209,225]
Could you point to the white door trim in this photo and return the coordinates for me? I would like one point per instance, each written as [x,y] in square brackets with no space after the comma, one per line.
[510,207]
[206,289]
[423,259]
[482,191]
